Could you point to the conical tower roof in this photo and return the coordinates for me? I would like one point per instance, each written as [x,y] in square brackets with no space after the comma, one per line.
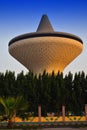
[45,25]
[45,29]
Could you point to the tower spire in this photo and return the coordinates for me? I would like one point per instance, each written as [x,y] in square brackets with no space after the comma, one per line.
[45,25]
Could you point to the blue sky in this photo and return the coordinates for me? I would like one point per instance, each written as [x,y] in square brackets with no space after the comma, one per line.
[22,16]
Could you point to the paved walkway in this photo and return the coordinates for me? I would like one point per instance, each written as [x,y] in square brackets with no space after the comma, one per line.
[65,129]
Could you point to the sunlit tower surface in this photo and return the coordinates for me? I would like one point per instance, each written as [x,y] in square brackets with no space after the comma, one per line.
[45,49]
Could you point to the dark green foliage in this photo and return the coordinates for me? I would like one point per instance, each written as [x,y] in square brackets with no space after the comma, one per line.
[49,91]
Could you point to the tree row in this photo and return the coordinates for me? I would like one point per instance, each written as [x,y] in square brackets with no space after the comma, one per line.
[49,91]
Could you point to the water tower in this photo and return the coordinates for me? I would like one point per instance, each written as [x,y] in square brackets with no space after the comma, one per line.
[45,49]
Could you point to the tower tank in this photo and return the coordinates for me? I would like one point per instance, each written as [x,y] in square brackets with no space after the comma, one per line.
[45,49]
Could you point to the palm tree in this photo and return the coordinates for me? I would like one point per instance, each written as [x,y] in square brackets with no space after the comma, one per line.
[12,106]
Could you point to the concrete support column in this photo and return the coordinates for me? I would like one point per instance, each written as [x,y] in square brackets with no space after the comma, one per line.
[14,116]
[86,112]
[39,113]
[63,113]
